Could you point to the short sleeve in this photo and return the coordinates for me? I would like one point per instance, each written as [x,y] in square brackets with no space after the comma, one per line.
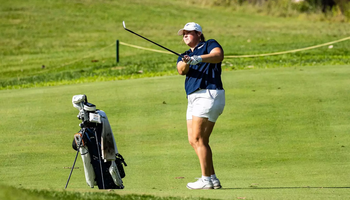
[212,44]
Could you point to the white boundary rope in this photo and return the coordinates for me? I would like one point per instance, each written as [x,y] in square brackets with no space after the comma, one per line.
[249,56]
[290,51]
[228,56]
[144,48]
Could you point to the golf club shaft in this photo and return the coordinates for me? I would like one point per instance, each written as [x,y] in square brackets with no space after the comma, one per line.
[154,42]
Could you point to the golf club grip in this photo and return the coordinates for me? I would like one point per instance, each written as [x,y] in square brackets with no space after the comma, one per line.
[154,43]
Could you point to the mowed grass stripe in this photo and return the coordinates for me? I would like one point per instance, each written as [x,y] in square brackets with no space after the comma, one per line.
[283,130]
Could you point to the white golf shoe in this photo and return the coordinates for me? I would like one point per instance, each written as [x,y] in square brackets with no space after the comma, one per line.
[216,183]
[200,185]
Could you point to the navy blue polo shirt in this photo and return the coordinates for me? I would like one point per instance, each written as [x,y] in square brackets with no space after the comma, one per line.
[203,75]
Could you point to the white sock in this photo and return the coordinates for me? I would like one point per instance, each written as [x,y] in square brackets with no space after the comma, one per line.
[206,178]
[213,176]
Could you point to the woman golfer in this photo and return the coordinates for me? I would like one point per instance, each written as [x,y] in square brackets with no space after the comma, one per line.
[206,97]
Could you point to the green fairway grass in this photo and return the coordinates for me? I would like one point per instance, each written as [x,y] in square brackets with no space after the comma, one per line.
[284,134]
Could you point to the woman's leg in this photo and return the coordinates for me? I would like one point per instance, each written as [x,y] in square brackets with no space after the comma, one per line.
[199,131]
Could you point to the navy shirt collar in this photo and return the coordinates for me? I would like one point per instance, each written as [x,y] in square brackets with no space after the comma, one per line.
[198,45]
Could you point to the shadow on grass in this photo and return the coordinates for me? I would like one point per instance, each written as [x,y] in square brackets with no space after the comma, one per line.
[280,188]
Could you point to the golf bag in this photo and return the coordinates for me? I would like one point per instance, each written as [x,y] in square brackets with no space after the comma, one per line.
[103,165]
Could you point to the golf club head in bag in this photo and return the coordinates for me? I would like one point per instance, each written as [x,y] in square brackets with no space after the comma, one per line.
[87,111]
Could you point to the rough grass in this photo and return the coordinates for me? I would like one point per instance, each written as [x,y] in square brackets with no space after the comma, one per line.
[66,42]
[12,193]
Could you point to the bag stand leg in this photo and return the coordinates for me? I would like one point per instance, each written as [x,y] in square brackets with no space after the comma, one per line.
[99,156]
[76,156]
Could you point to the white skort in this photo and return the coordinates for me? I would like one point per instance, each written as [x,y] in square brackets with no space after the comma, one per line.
[206,103]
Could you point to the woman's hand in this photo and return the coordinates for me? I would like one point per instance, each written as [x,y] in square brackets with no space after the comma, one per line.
[186,59]
[194,60]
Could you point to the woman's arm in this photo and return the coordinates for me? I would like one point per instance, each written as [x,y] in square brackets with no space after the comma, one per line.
[182,66]
[215,56]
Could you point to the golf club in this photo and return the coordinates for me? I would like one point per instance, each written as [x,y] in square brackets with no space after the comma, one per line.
[151,41]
